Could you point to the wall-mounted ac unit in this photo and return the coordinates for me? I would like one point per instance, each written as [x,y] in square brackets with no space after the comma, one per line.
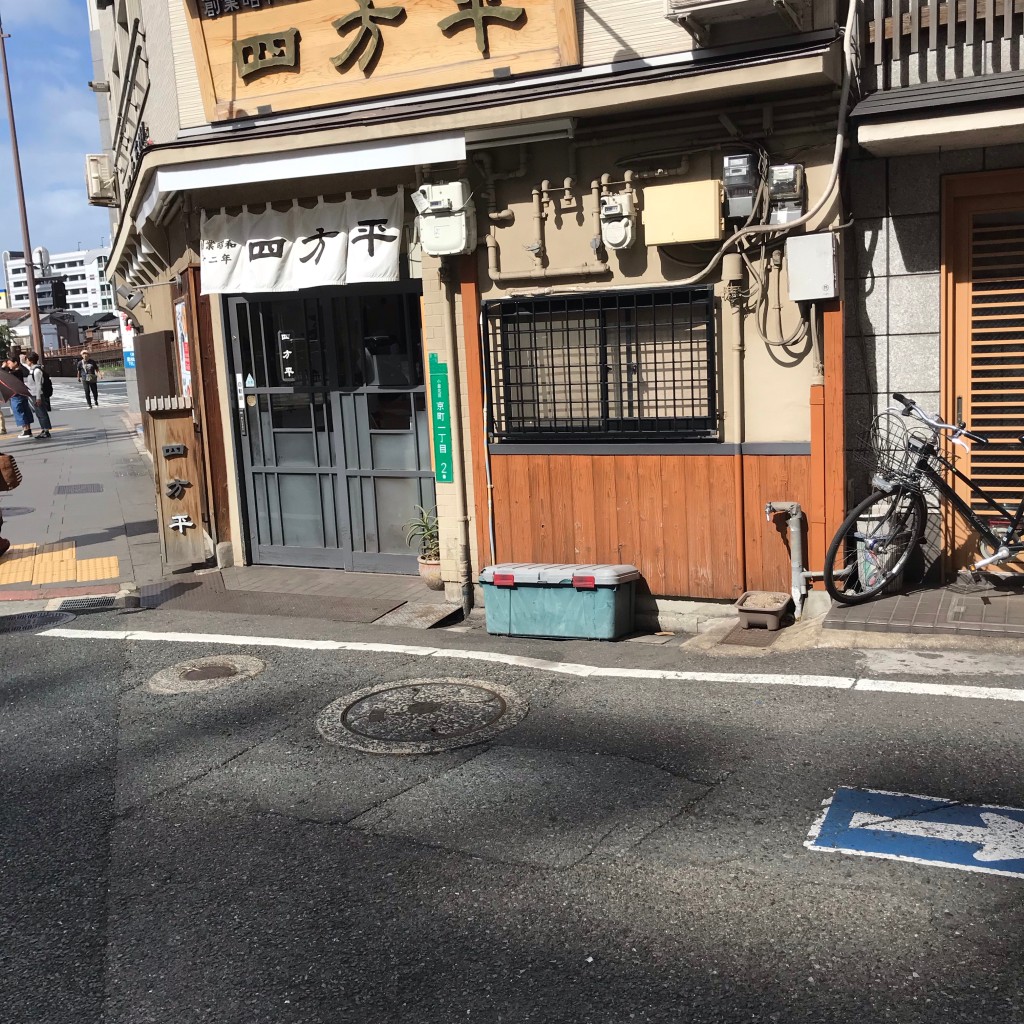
[696,15]
[100,181]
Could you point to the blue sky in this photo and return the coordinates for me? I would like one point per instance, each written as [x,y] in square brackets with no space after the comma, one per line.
[50,63]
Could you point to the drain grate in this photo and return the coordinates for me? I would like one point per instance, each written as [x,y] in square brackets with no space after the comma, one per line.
[421,716]
[88,604]
[28,622]
[740,637]
[79,489]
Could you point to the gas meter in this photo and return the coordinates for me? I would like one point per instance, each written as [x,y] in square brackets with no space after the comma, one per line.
[446,218]
[618,220]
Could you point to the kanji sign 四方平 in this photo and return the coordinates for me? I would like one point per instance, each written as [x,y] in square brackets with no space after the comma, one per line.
[314,52]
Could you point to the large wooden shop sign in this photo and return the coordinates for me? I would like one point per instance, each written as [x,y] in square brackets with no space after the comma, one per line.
[256,56]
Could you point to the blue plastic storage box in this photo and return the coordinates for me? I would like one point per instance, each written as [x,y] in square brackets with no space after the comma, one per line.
[588,602]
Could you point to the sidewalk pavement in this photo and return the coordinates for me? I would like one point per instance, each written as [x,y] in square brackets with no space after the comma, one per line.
[84,518]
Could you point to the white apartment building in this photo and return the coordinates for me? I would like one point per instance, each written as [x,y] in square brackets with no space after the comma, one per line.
[83,273]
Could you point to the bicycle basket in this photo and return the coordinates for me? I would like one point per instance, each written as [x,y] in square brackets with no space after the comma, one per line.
[886,450]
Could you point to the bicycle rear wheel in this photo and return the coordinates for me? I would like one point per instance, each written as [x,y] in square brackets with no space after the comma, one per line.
[871,549]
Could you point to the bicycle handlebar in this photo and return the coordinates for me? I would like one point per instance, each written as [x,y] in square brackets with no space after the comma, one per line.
[911,408]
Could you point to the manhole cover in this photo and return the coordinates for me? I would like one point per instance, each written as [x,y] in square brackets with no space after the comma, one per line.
[211,672]
[740,637]
[421,716]
[27,622]
[203,674]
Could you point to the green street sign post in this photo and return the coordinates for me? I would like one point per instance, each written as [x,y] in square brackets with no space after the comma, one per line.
[440,413]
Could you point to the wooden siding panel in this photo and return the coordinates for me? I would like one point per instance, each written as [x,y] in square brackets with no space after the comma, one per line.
[772,478]
[650,522]
[671,516]
[605,505]
[699,526]
[584,521]
[189,95]
[503,532]
[724,559]
[562,531]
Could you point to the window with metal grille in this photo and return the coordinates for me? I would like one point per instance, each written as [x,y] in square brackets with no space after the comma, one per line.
[622,366]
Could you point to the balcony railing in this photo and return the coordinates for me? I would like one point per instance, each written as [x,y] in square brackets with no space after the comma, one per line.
[910,42]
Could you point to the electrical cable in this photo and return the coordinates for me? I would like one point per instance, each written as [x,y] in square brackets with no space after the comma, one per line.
[849,72]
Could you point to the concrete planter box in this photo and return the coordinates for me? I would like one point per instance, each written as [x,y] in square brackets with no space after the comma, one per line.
[763,608]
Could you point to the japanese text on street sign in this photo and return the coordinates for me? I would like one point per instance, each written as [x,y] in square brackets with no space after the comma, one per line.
[440,415]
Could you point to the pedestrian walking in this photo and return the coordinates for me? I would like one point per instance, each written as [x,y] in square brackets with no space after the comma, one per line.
[88,371]
[39,383]
[21,405]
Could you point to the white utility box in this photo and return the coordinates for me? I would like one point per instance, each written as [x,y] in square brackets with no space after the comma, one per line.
[446,218]
[811,262]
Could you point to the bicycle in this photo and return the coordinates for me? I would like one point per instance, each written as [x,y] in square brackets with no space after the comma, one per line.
[871,549]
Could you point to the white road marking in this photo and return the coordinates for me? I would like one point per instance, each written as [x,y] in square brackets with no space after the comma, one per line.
[942,663]
[557,667]
[1001,838]
[940,689]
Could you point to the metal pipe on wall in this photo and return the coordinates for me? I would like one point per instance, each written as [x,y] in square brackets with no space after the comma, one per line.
[451,356]
[732,279]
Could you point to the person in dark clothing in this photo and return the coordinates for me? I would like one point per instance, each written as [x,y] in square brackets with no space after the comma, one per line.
[21,406]
[87,370]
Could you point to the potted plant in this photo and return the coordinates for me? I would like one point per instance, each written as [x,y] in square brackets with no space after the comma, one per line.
[422,530]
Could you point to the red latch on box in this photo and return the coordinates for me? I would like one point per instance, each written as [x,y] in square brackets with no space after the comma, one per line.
[584,582]
[504,579]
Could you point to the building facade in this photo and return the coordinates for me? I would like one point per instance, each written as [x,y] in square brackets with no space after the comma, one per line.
[567,272]
[66,280]
[935,185]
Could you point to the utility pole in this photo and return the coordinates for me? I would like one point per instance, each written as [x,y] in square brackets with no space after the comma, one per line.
[19,187]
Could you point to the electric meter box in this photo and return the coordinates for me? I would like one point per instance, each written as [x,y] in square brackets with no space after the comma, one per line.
[681,212]
[811,264]
[446,220]
[740,181]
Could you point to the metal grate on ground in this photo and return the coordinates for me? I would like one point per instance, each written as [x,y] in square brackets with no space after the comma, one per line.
[88,604]
[79,489]
[740,637]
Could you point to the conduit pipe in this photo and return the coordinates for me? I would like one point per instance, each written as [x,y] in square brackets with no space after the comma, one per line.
[732,278]
[451,356]
[850,67]
[482,339]
[795,523]
[495,216]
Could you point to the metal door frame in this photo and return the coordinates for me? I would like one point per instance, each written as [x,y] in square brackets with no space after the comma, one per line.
[340,400]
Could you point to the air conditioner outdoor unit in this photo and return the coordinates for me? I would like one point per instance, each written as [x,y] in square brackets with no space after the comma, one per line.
[100,182]
[696,15]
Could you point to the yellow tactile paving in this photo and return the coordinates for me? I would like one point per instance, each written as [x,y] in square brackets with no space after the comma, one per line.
[92,569]
[16,569]
[54,563]
[64,548]
[47,571]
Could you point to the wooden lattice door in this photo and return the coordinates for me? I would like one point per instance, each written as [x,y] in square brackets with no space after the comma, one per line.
[983,329]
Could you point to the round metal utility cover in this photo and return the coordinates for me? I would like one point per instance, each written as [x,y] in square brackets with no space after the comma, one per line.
[201,675]
[28,622]
[421,716]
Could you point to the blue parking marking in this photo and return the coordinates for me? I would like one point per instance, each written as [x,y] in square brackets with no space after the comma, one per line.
[922,830]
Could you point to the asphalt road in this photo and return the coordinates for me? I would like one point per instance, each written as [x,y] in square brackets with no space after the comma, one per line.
[631,851]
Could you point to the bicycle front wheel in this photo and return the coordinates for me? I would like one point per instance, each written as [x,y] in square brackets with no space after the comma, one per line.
[871,549]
